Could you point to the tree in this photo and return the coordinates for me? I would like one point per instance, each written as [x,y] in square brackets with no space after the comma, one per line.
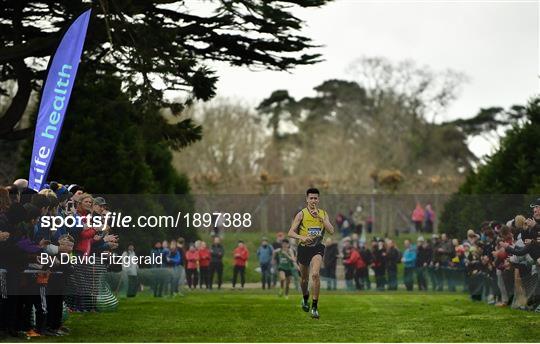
[228,156]
[155,46]
[500,189]
[381,121]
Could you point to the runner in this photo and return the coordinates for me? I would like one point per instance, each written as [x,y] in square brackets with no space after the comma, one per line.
[309,226]
[286,263]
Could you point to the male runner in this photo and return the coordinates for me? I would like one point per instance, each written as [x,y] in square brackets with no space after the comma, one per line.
[309,226]
[286,262]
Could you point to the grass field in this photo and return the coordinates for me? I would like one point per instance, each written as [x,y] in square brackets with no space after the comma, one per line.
[256,316]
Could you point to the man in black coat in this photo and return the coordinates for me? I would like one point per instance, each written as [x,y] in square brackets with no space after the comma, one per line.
[393,258]
[423,258]
[216,262]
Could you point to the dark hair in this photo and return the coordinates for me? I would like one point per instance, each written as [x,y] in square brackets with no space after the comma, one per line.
[54,186]
[32,212]
[40,201]
[26,195]
[312,191]
[15,213]
[285,240]
[53,201]
[13,190]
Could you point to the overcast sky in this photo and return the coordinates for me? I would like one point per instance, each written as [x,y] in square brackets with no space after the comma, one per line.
[494,43]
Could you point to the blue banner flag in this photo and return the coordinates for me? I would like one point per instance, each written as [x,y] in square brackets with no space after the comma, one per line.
[54,100]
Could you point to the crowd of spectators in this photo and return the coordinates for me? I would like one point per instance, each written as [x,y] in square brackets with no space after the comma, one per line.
[498,263]
[34,293]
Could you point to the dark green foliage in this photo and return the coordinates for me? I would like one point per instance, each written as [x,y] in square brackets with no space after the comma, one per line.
[506,184]
[144,41]
[490,119]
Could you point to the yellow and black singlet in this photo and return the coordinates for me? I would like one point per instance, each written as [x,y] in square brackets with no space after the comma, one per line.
[312,227]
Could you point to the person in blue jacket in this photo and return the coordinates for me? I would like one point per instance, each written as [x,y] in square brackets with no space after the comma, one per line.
[409,263]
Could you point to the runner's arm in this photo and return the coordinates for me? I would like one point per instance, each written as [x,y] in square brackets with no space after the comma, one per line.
[294,227]
[293,258]
[327,225]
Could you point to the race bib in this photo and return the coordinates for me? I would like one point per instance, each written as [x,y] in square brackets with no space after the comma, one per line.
[314,231]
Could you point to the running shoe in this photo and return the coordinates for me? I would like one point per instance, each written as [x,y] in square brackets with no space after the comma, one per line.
[305,306]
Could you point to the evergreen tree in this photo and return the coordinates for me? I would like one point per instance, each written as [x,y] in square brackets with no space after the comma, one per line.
[505,185]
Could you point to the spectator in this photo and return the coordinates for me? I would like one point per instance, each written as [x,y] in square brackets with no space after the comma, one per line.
[265,256]
[346,227]
[216,262]
[472,238]
[349,263]
[423,260]
[363,273]
[369,224]
[409,263]
[204,265]
[393,258]
[359,266]
[180,244]
[429,219]
[192,259]
[447,252]
[379,263]
[418,217]
[131,270]
[174,259]
[158,255]
[14,194]
[280,236]
[241,255]
[456,267]
[437,263]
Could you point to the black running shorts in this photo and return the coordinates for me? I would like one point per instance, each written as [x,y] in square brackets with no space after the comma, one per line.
[306,253]
[288,273]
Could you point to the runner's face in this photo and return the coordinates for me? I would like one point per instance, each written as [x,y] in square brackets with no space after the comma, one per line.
[312,200]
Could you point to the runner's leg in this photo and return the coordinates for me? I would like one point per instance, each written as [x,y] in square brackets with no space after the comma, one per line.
[316,263]
[304,278]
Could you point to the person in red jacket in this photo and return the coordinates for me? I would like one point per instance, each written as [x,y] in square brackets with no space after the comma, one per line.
[85,238]
[349,262]
[360,267]
[241,255]
[192,259]
[353,262]
[204,265]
